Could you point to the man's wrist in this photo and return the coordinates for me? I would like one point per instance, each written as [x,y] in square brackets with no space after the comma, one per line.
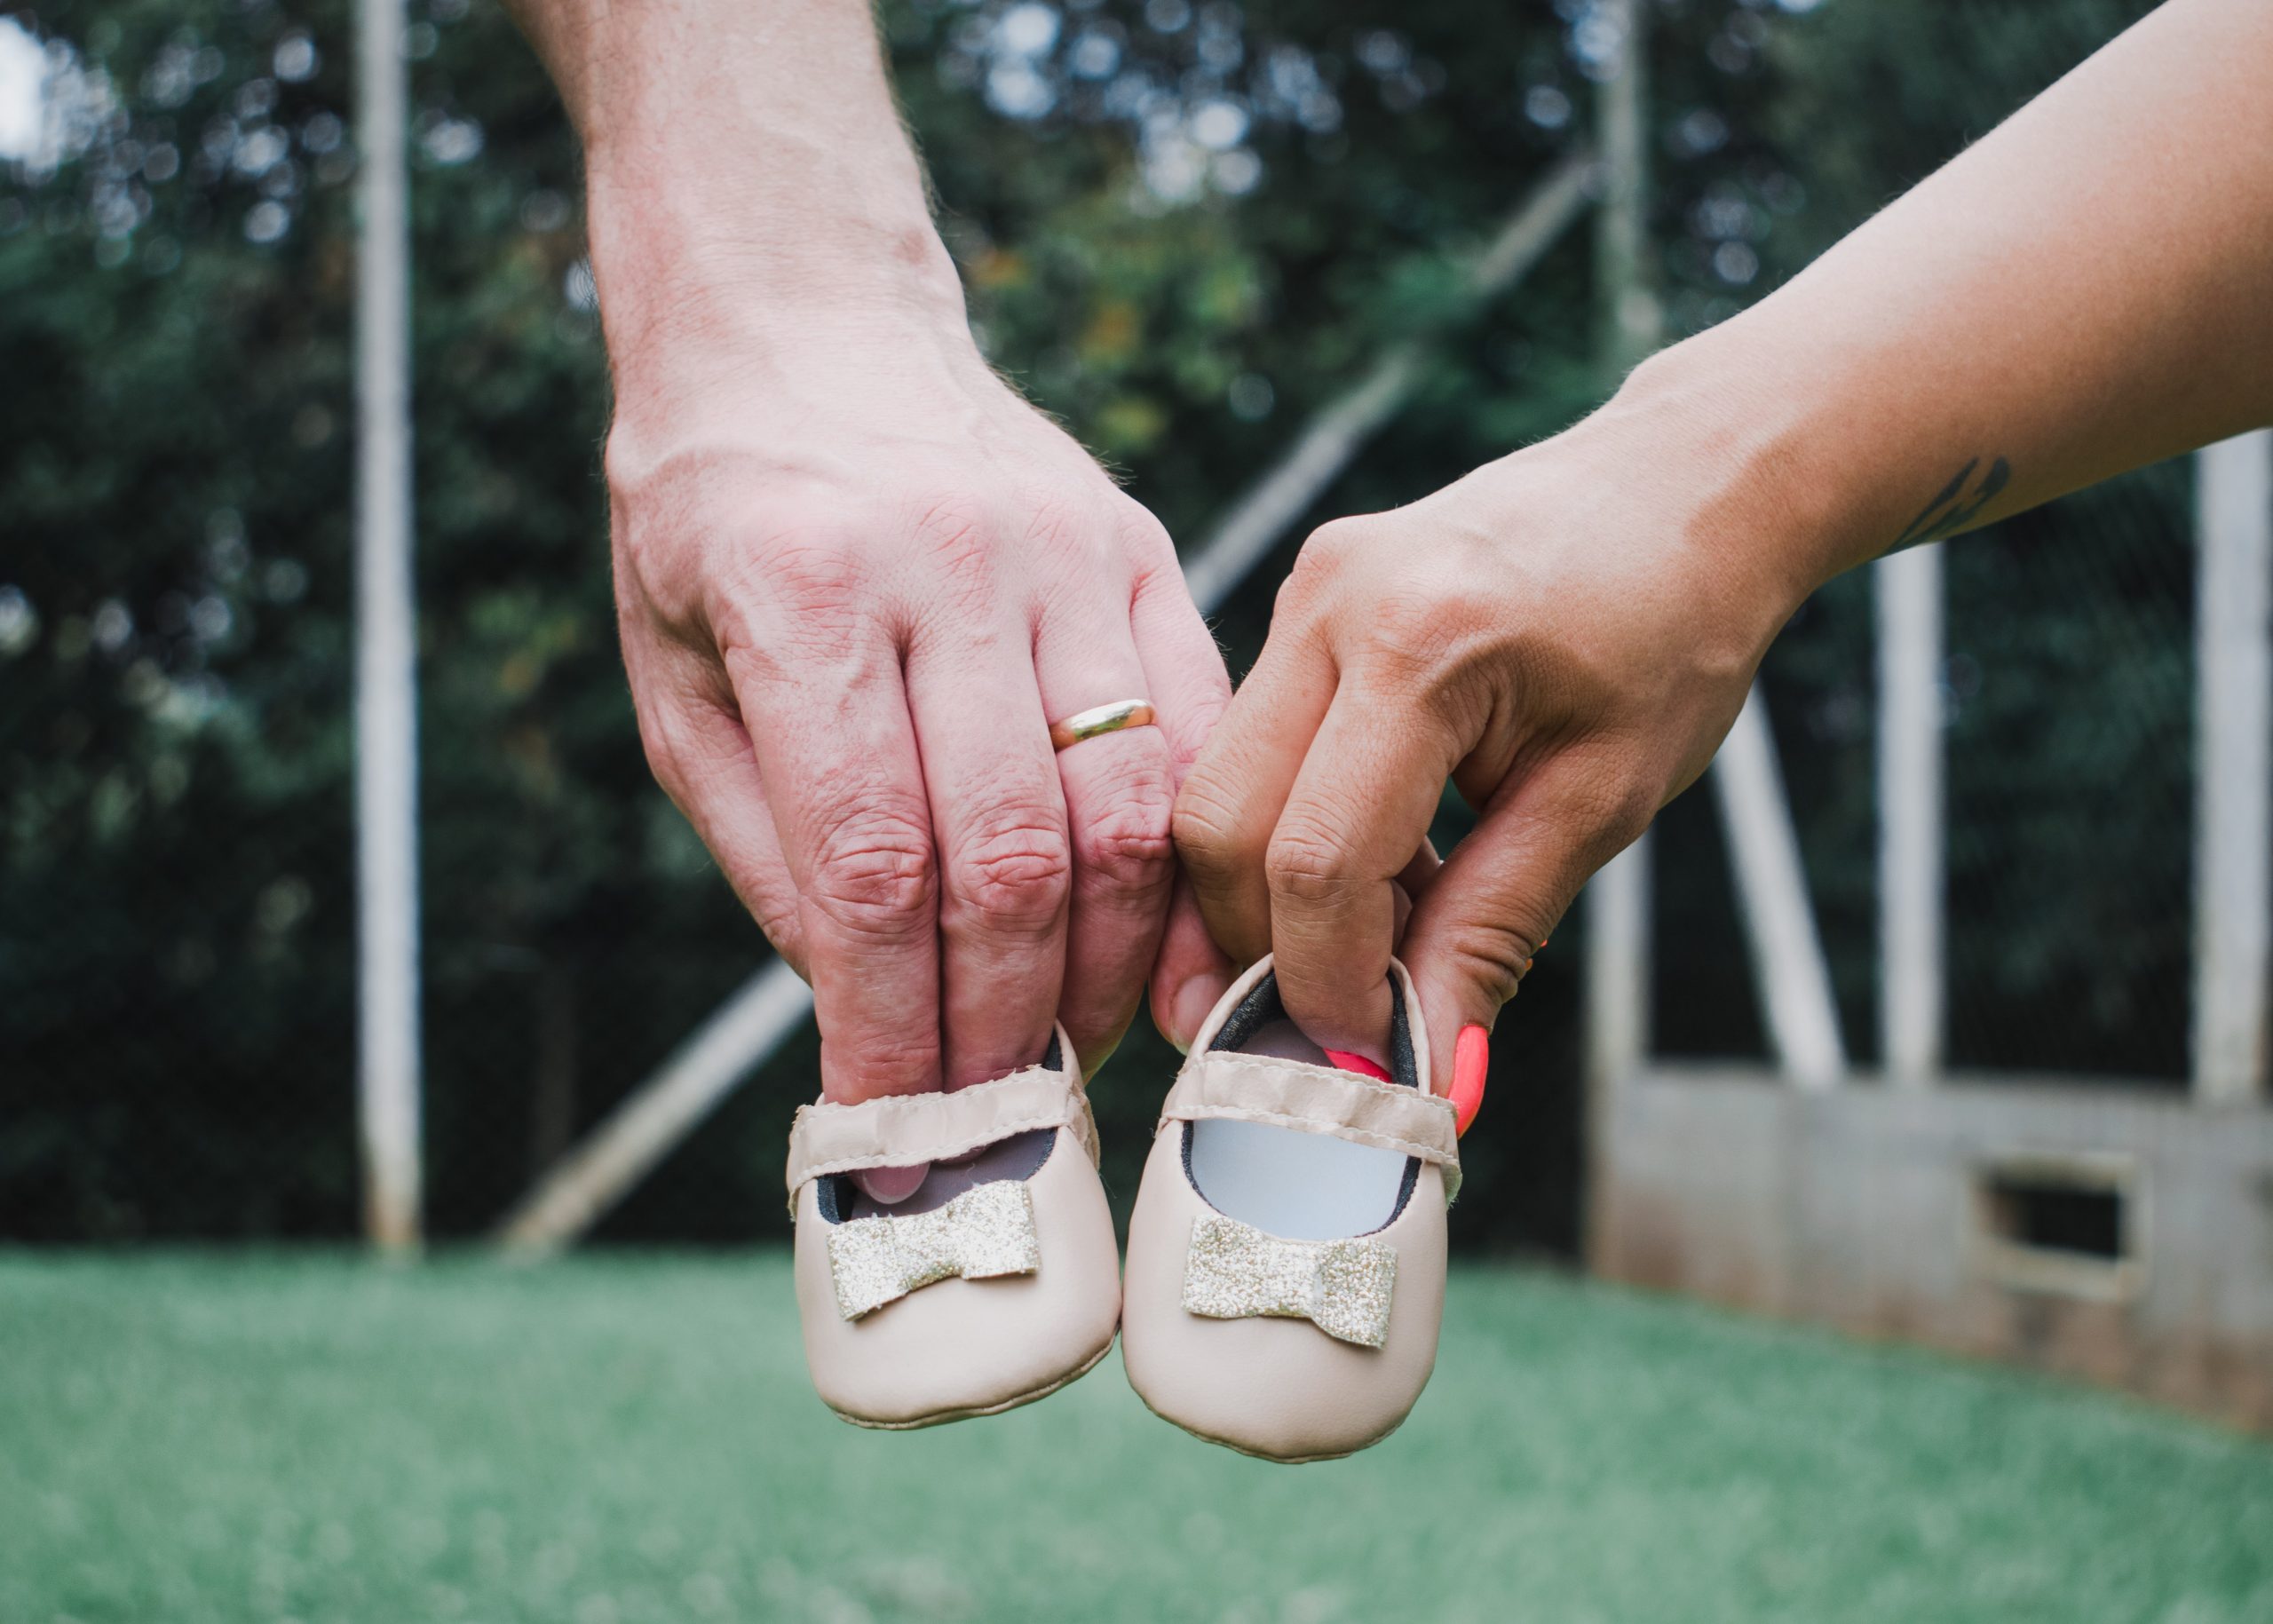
[747,178]
[673,247]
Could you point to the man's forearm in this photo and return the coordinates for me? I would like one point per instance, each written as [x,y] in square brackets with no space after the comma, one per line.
[2086,290]
[748,176]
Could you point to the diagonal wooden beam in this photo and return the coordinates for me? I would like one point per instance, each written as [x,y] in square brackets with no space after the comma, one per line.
[1787,958]
[1243,537]
[579,1189]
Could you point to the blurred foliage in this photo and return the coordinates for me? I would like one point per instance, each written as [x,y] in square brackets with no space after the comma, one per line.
[1183,229]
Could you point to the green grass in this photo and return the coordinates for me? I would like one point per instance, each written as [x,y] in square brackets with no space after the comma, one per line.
[622,1439]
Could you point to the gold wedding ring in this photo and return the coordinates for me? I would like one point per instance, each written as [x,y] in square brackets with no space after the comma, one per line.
[1100,719]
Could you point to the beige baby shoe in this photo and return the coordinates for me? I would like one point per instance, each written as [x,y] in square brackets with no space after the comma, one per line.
[993,1285]
[1286,1272]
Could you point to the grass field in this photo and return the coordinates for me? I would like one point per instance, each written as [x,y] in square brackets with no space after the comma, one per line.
[631,1438]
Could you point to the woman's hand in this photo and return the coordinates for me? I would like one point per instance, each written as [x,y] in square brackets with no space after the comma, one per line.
[1566,635]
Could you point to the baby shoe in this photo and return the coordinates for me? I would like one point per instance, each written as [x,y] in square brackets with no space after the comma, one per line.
[1286,1274]
[995,1284]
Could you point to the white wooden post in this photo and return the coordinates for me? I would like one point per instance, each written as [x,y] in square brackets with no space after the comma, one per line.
[1771,883]
[1617,969]
[387,745]
[2233,741]
[1910,987]
[1632,325]
[1626,286]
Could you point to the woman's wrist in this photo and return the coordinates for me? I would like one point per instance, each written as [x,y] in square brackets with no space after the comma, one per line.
[1765,454]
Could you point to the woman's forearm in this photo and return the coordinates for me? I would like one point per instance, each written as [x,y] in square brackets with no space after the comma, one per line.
[2086,290]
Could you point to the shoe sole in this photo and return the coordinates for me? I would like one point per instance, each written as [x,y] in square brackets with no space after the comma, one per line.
[940,1418]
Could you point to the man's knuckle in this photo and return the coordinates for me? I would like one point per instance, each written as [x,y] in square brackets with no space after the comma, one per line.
[1059,519]
[873,874]
[886,1061]
[955,528]
[1011,877]
[1336,543]
[1126,844]
[805,565]
[1146,543]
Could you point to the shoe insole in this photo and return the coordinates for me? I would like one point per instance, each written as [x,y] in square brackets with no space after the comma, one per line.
[1296,1185]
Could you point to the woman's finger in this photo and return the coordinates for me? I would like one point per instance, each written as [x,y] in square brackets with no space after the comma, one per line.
[1231,800]
[1357,814]
[1479,924]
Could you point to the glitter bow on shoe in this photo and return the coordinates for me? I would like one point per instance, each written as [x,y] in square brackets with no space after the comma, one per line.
[1234,1271]
[985,1232]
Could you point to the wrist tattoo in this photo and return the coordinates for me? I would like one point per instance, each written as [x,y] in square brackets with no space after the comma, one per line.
[1953,507]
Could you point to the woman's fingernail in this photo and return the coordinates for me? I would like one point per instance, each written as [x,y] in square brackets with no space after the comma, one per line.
[1194,1001]
[1472,1060]
[890,1186]
[1365,1065]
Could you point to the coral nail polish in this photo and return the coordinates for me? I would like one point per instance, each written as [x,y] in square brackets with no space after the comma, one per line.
[1350,1061]
[1471,1059]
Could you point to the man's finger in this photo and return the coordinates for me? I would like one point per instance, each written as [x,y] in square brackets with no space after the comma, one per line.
[702,757]
[1005,857]
[1191,973]
[1190,691]
[838,754]
[1479,924]
[1118,792]
[1357,814]
[1183,669]
[724,797]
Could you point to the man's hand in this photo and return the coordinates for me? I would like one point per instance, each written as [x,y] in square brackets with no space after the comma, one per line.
[853,595]
[857,576]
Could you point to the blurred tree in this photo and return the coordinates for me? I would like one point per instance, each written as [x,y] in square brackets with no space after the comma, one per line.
[1182,227]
